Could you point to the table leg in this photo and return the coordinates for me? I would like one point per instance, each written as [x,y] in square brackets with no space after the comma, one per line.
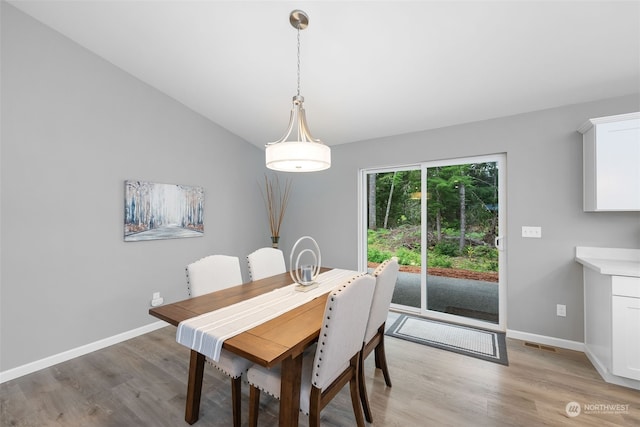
[290,391]
[194,387]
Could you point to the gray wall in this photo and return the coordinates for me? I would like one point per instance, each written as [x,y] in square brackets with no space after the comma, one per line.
[544,187]
[74,127]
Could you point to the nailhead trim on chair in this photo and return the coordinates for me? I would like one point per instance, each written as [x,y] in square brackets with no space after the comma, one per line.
[186,270]
[381,267]
[249,266]
[223,371]
[267,391]
[326,326]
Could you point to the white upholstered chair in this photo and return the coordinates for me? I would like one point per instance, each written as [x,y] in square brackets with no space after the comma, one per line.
[265,262]
[213,273]
[210,274]
[386,275]
[336,357]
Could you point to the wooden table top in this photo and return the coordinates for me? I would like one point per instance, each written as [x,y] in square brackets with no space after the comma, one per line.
[267,344]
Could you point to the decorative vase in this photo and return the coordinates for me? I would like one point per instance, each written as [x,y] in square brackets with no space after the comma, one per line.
[274,241]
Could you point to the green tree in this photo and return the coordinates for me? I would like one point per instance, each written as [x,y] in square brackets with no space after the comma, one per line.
[462,197]
[393,198]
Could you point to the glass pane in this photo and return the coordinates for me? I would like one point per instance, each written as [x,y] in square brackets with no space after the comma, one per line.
[462,223]
[394,229]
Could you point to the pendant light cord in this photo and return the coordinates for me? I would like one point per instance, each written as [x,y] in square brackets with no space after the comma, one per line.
[298,58]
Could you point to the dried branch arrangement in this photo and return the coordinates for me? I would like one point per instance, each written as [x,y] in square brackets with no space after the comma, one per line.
[276,199]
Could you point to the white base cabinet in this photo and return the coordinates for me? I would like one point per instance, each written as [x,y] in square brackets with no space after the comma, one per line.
[625,339]
[612,315]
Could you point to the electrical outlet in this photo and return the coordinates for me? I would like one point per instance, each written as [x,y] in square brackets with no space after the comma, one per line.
[156,299]
[532,232]
[561,310]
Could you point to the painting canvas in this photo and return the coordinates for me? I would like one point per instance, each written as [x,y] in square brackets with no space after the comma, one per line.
[162,211]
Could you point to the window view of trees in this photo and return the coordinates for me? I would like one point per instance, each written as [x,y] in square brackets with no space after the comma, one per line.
[462,216]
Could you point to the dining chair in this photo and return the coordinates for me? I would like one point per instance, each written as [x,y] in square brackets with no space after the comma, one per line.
[335,360]
[385,275]
[210,274]
[265,262]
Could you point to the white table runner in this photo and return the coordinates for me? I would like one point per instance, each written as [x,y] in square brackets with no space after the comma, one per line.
[207,332]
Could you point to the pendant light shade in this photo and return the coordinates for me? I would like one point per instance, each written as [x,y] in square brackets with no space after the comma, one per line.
[302,153]
[296,156]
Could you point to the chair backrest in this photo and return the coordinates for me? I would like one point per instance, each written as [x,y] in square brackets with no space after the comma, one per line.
[265,262]
[344,321]
[386,275]
[213,273]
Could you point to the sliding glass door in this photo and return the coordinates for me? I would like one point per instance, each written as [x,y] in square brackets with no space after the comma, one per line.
[394,227]
[443,220]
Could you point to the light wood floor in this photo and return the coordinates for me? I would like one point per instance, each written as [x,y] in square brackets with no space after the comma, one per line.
[142,382]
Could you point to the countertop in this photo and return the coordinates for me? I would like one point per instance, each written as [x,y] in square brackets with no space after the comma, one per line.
[610,261]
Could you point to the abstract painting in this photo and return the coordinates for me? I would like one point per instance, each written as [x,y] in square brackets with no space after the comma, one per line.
[162,211]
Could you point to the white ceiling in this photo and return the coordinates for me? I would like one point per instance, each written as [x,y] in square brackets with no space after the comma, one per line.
[369,69]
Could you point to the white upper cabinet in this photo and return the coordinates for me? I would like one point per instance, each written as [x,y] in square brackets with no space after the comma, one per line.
[611,163]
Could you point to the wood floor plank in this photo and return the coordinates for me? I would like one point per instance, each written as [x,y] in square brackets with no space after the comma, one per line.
[142,382]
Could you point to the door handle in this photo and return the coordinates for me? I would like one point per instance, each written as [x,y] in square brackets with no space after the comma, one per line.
[499,243]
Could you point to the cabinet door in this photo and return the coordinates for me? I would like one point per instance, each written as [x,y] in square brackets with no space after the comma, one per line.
[618,165]
[626,337]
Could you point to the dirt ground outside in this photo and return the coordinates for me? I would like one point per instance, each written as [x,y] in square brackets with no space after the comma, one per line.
[449,272]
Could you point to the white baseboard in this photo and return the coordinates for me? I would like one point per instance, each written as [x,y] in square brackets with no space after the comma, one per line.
[542,339]
[78,351]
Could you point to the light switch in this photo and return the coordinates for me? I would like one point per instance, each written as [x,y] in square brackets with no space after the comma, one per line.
[532,232]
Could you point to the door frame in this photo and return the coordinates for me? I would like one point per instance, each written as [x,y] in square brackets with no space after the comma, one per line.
[363,206]
[501,160]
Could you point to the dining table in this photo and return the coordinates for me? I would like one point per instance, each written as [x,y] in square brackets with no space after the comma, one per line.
[279,340]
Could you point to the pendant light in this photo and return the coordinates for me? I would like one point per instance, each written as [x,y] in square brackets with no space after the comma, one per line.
[303,153]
